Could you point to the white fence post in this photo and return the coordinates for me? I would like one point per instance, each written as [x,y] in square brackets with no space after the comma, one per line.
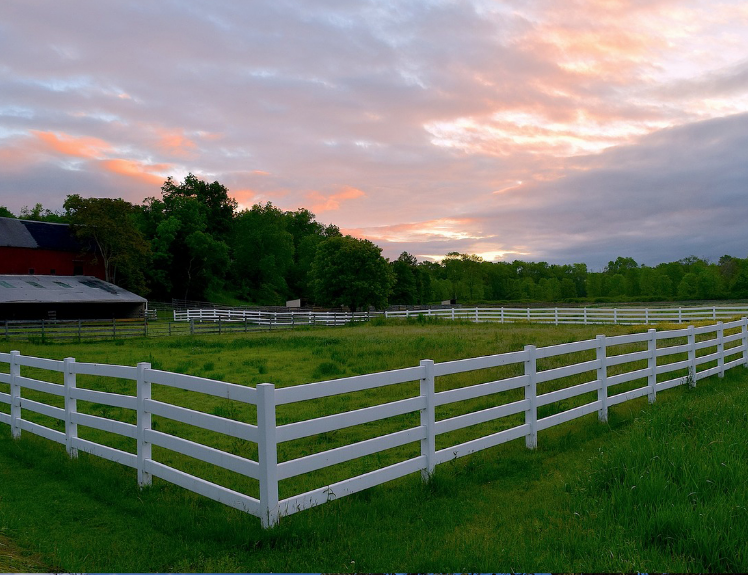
[652,365]
[646,315]
[721,348]
[71,406]
[502,315]
[268,454]
[615,315]
[555,315]
[680,315]
[585,316]
[144,422]
[602,378]
[531,395]
[744,330]
[428,418]
[476,315]
[15,395]
[691,356]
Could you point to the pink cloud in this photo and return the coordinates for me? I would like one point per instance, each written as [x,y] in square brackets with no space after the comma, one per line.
[324,203]
[80,147]
[175,143]
[147,173]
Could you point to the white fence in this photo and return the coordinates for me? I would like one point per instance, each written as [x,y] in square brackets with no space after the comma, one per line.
[542,391]
[554,315]
[273,318]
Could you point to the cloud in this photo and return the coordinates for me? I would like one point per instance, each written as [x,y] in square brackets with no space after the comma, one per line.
[81,147]
[152,174]
[175,143]
[430,107]
[322,203]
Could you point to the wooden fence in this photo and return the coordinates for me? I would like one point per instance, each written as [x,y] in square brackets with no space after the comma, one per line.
[555,315]
[537,389]
[84,329]
[75,329]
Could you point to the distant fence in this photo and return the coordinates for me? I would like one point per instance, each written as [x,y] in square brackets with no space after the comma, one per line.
[538,389]
[555,315]
[286,318]
[74,329]
[219,321]
[84,329]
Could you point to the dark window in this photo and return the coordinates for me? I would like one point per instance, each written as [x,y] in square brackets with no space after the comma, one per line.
[31,271]
[52,272]
[95,283]
[77,270]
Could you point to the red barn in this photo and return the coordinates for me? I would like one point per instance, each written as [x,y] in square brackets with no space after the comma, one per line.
[43,248]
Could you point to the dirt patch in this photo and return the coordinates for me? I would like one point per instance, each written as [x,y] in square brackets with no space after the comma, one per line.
[13,559]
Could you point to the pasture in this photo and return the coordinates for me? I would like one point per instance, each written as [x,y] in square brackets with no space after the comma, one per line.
[560,507]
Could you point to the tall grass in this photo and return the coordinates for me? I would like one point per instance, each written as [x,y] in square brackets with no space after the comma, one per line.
[656,488]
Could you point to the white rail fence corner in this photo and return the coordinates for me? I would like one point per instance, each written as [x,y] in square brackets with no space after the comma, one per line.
[697,353]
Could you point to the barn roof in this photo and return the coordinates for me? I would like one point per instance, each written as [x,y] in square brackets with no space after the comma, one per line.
[43,235]
[62,289]
[14,234]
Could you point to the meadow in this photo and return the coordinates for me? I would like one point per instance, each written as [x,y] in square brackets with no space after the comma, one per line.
[658,487]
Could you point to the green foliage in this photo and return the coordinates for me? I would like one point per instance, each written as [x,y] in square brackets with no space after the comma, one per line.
[406,276]
[6,213]
[109,225]
[202,248]
[263,254]
[351,272]
[188,228]
[39,214]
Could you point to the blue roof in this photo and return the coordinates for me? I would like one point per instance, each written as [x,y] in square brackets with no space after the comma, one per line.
[43,235]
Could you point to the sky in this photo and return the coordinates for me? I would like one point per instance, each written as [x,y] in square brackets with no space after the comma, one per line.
[570,131]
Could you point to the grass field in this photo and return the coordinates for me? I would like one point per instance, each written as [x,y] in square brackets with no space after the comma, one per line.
[658,487]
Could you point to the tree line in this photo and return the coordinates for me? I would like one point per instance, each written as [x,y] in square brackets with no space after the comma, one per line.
[194,243]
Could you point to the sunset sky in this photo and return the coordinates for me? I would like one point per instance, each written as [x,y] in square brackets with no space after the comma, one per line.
[565,131]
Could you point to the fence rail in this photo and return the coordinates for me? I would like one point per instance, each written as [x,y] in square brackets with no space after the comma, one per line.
[538,389]
[209,321]
[555,315]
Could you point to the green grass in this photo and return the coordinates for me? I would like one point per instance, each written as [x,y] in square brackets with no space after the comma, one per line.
[656,488]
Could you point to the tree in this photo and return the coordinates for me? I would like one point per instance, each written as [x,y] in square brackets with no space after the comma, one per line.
[217,207]
[349,271]
[688,288]
[406,274]
[39,214]
[188,229]
[6,213]
[620,266]
[263,253]
[307,235]
[108,224]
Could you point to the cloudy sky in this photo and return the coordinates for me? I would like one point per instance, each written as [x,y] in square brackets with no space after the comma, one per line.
[564,131]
